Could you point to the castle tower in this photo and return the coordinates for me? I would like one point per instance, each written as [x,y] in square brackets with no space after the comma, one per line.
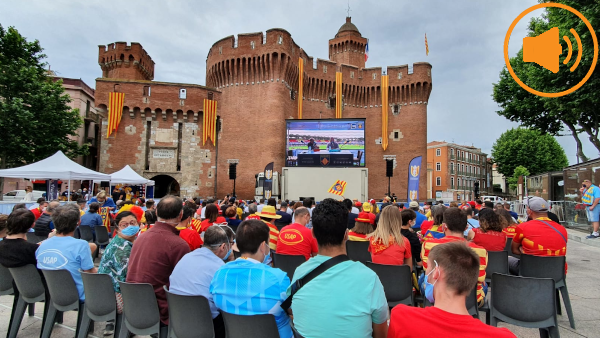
[348,46]
[120,61]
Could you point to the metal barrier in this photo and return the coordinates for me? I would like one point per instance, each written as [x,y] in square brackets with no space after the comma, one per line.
[571,214]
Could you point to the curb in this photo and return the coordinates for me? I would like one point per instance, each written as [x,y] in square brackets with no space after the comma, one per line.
[578,236]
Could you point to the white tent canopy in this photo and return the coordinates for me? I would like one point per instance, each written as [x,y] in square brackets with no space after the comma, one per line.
[129,176]
[55,167]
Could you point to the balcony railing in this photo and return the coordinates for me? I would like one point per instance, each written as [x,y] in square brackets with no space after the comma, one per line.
[452,171]
[451,156]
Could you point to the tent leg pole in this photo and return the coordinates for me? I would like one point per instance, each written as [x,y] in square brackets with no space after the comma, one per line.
[69,192]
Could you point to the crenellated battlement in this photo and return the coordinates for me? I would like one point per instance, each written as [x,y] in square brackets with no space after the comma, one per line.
[122,61]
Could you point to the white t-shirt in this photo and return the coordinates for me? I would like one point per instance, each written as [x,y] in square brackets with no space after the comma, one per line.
[354,210]
[202,213]
[259,207]
[289,211]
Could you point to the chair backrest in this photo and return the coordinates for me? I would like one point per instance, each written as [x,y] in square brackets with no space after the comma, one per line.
[101,234]
[497,263]
[6,281]
[85,232]
[257,326]
[99,291]
[62,289]
[29,282]
[523,300]
[543,267]
[32,238]
[358,251]
[76,234]
[396,280]
[508,245]
[139,305]
[182,308]
[288,263]
[471,302]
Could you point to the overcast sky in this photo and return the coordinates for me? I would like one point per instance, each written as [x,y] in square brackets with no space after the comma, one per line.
[465,43]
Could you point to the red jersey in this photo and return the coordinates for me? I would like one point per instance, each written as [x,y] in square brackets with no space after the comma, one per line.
[192,238]
[206,223]
[354,236]
[539,239]
[491,240]
[296,239]
[510,231]
[426,225]
[36,212]
[196,224]
[392,254]
[408,321]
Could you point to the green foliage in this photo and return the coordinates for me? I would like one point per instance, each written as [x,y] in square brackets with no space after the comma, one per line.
[35,119]
[578,110]
[514,180]
[529,148]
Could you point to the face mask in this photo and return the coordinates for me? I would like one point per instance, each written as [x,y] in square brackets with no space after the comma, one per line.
[267,258]
[429,286]
[131,230]
[228,253]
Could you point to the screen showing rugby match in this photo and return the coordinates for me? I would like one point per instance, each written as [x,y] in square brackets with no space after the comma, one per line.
[325,143]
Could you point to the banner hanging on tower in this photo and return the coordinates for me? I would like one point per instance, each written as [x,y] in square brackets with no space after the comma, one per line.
[115,111]
[338,95]
[209,121]
[384,111]
[414,173]
[300,86]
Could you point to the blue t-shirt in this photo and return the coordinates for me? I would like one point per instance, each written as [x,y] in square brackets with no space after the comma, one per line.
[66,253]
[109,203]
[419,220]
[471,224]
[343,301]
[91,219]
[248,287]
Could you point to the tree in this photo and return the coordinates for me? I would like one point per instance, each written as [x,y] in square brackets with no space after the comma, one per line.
[514,180]
[537,152]
[576,111]
[35,119]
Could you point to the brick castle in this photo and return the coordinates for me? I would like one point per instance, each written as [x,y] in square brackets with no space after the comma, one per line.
[254,78]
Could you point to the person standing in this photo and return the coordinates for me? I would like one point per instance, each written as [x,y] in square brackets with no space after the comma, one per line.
[591,198]
[28,194]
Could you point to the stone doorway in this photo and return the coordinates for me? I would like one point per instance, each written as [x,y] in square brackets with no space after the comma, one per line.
[165,185]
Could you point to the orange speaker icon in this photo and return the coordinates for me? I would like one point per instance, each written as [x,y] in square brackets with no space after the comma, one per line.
[545,50]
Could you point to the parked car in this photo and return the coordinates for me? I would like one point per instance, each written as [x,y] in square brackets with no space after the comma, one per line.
[492,198]
[19,195]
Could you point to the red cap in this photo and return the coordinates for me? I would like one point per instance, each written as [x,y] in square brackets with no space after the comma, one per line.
[472,204]
[372,201]
[363,217]
[358,204]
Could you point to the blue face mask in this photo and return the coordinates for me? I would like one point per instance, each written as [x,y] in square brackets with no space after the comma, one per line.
[267,258]
[429,286]
[228,253]
[131,230]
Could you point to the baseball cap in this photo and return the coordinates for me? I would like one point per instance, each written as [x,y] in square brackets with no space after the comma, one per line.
[413,204]
[363,217]
[231,199]
[366,207]
[537,204]
[358,204]
[372,201]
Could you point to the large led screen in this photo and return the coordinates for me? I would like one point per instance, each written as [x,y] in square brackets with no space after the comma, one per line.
[325,143]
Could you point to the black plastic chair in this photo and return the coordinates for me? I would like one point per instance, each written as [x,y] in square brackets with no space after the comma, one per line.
[181,309]
[140,311]
[396,281]
[85,233]
[31,290]
[471,303]
[76,234]
[99,305]
[358,251]
[256,326]
[497,263]
[64,296]
[32,238]
[549,267]
[102,238]
[288,263]
[508,248]
[526,302]
[6,282]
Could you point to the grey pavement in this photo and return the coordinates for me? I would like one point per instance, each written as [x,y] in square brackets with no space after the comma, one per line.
[582,280]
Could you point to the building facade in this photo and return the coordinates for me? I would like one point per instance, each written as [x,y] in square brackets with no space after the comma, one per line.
[254,78]
[457,170]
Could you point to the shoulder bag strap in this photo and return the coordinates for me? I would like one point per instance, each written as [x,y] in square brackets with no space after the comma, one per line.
[312,275]
[553,228]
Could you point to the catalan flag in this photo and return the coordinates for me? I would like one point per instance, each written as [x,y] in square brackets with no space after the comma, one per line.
[300,86]
[426,45]
[338,188]
[209,123]
[367,51]
[115,111]
[338,95]
[105,214]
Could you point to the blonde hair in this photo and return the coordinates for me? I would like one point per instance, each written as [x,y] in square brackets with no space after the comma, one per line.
[101,194]
[390,222]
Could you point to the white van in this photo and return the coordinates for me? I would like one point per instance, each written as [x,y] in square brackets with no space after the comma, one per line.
[494,199]
[19,195]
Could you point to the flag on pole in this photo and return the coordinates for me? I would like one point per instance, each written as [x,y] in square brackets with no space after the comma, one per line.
[338,95]
[115,111]
[338,188]
[367,51]
[384,111]
[209,122]
[426,45]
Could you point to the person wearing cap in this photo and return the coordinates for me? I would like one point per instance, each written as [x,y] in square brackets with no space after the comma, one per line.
[539,237]
[590,198]
[363,225]
[414,205]
[368,209]
[374,207]
[297,239]
[269,215]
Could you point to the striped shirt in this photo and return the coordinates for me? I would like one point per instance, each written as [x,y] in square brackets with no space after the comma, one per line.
[354,236]
[481,252]
[273,236]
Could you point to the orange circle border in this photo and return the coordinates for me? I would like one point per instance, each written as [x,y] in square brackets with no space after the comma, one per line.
[512,72]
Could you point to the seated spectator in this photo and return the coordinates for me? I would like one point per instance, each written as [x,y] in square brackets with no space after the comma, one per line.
[512,213]
[489,235]
[267,291]
[3,229]
[351,216]
[450,278]
[105,202]
[194,272]
[509,222]
[155,254]
[297,239]
[15,251]
[455,222]
[63,251]
[363,225]
[37,211]
[409,217]
[232,219]
[212,217]
[414,205]
[91,217]
[368,209]
[487,204]
[186,232]
[435,228]
[44,225]
[268,215]
[350,297]
[387,245]
[538,237]
[294,207]
[286,219]
[471,222]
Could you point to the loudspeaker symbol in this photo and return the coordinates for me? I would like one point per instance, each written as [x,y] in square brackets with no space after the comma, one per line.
[545,49]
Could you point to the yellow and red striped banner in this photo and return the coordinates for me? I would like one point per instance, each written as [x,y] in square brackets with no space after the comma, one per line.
[105,214]
[115,111]
[384,111]
[426,45]
[209,123]
[300,85]
[338,95]
[338,188]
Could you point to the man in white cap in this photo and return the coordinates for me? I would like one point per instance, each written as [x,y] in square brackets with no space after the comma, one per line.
[539,237]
